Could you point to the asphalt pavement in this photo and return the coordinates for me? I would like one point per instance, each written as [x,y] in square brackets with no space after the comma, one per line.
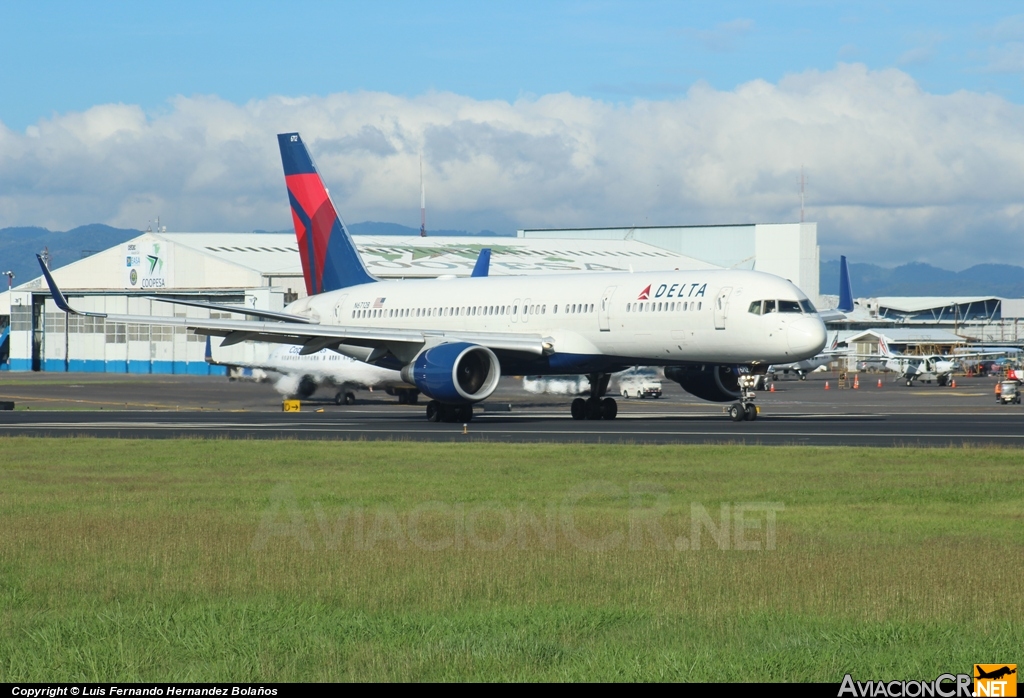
[797,412]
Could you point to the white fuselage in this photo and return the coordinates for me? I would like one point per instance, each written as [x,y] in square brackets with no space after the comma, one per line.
[325,367]
[595,321]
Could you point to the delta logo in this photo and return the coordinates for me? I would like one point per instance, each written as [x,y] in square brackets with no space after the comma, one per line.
[696,290]
[995,680]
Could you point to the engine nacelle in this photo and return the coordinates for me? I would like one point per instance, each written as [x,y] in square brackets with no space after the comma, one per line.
[713,383]
[459,373]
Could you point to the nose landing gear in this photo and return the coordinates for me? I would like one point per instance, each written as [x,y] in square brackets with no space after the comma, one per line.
[745,409]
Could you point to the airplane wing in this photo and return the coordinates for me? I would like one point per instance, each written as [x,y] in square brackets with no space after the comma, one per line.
[402,343]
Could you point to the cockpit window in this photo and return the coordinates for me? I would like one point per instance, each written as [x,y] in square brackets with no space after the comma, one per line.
[755,307]
[789,307]
[808,307]
[769,307]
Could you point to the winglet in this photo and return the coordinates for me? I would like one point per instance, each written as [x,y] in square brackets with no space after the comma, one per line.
[58,295]
[483,263]
[845,287]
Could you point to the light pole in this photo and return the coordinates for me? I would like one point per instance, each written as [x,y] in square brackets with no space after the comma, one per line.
[10,279]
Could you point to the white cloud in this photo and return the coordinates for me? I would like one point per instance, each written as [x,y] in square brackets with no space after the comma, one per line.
[896,173]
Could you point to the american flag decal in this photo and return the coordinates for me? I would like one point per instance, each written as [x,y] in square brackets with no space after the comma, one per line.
[379,302]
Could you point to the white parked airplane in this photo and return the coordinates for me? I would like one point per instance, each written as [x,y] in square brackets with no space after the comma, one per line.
[452,339]
[930,367]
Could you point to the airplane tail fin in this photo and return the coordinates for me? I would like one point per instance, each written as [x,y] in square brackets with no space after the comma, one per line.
[483,263]
[330,260]
[845,287]
[883,348]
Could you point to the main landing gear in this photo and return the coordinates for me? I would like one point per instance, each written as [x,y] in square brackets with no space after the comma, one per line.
[439,412]
[745,409]
[596,406]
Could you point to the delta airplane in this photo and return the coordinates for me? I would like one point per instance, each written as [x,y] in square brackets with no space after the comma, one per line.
[452,339]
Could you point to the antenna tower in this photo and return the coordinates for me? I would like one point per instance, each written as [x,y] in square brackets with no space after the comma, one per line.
[423,203]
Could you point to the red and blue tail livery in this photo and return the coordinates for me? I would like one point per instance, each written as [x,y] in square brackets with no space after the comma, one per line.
[329,257]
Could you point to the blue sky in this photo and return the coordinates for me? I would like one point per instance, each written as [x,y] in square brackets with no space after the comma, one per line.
[61,56]
[907,116]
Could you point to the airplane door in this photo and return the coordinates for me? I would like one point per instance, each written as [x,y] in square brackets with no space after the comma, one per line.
[604,317]
[339,308]
[722,307]
[514,311]
[526,310]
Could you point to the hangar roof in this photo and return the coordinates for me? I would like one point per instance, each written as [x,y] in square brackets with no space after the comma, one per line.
[277,254]
[916,304]
[909,335]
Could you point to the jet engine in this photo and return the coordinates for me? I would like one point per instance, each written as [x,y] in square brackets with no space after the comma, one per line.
[459,373]
[713,383]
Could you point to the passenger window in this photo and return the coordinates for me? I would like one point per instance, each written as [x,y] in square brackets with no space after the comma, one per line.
[755,307]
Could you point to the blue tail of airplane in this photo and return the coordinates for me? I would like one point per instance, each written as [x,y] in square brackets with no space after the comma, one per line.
[330,260]
[845,287]
[483,263]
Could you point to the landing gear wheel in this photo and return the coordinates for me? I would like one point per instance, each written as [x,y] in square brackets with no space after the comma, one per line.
[942,380]
[750,412]
[579,408]
[350,398]
[609,408]
[464,413]
[433,411]
[403,398]
[413,397]
[737,413]
[910,383]
[594,408]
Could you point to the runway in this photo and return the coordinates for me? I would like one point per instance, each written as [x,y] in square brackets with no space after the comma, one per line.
[798,413]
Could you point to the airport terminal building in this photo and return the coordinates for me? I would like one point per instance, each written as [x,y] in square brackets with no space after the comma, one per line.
[264,271]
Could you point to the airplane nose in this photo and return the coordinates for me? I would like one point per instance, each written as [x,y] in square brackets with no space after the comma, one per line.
[806,336]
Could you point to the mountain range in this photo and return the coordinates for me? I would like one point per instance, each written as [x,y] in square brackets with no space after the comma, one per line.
[18,247]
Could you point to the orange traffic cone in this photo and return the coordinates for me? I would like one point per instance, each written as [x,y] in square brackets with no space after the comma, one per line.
[771,388]
[879,382]
[856,382]
[953,383]
[826,385]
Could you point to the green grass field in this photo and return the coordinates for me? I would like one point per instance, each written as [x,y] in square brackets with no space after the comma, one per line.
[315,561]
